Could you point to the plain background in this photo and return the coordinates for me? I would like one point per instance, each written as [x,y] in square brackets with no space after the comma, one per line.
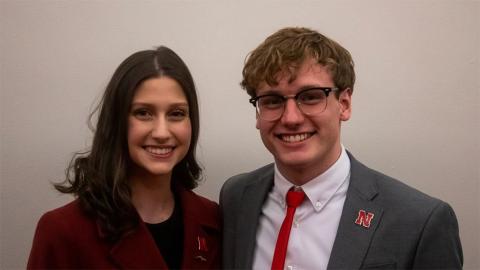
[415,104]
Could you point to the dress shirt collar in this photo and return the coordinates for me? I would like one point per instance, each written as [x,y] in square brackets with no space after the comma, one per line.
[320,189]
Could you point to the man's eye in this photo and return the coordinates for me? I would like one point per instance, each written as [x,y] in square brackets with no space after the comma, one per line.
[270,102]
[311,97]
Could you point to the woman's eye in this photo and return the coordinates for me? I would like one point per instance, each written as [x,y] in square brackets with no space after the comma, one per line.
[178,114]
[142,114]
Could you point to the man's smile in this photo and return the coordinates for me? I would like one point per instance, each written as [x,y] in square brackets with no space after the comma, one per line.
[292,138]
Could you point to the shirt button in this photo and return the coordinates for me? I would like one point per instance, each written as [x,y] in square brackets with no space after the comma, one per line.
[296,223]
[318,204]
[291,267]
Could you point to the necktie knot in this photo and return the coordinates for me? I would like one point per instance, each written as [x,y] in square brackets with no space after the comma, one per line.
[295,198]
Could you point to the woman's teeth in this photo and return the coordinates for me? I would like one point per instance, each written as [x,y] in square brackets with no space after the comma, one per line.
[159,150]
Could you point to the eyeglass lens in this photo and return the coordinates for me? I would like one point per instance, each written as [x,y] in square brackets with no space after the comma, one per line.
[271,107]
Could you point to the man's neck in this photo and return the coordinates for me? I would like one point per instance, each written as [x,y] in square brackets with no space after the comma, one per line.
[300,175]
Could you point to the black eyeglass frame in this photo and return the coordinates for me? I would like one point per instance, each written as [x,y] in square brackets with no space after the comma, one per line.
[326,90]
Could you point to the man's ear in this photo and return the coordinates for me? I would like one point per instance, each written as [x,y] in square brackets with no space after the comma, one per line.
[345,101]
[257,125]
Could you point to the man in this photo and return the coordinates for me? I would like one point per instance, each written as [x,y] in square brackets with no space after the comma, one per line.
[346,216]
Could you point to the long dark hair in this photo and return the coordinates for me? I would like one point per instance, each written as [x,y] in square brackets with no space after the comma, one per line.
[99,177]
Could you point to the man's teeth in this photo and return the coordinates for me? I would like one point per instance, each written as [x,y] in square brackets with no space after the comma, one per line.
[295,138]
[159,150]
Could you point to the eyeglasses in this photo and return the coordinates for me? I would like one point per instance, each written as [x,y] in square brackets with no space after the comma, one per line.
[310,101]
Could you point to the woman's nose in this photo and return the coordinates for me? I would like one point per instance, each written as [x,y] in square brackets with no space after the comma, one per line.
[160,129]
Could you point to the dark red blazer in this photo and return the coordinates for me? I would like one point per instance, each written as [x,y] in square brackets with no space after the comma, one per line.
[67,238]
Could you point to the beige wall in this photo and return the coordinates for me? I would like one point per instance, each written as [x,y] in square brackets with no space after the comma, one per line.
[416,101]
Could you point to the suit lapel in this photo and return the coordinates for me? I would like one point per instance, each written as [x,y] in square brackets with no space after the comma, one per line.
[249,213]
[360,218]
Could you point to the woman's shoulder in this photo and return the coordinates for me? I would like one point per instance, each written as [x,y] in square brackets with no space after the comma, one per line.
[67,217]
[199,200]
[67,210]
[199,205]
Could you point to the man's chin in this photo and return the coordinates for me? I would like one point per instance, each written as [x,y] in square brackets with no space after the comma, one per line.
[293,162]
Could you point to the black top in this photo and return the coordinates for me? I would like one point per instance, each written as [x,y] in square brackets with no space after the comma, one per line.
[168,236]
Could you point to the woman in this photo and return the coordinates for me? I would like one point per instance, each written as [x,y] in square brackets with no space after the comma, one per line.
[134,207]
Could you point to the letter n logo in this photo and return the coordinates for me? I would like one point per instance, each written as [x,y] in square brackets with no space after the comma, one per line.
[364,218]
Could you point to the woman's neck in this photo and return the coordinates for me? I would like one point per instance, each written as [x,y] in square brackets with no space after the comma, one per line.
[153,198]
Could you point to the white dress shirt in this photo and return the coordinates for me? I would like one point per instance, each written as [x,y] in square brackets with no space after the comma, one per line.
[315,223]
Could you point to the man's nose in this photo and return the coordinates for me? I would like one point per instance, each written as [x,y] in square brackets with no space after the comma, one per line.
[291,113]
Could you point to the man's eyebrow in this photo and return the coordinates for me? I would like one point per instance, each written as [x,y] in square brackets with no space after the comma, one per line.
[311,86]
[275,91]
[270,92]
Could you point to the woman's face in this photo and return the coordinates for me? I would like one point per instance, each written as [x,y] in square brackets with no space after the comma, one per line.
[159,129]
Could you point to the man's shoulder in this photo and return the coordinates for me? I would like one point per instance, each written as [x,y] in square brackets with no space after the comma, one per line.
[391,192]
[247,178]
[419,223]
[260,180]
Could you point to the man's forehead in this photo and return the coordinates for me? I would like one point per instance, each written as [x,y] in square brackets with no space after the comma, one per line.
[290,72]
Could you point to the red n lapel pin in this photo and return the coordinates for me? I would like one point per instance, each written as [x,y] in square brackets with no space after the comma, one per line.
[202,244]
[364,218]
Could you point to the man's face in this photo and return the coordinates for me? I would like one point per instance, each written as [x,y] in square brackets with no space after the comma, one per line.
[304,146]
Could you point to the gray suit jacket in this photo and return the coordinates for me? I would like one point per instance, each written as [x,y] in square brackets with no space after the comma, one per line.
[409,229]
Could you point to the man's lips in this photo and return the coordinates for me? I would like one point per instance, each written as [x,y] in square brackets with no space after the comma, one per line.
[293,138]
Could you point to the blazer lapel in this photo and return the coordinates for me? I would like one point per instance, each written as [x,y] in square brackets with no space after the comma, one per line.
[360,218]
[137,250]
[253,198]
[201,249]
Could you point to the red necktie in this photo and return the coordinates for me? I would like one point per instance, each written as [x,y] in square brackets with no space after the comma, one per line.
[294,199]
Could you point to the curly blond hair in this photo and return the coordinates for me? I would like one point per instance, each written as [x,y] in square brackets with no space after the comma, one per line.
[287,49]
